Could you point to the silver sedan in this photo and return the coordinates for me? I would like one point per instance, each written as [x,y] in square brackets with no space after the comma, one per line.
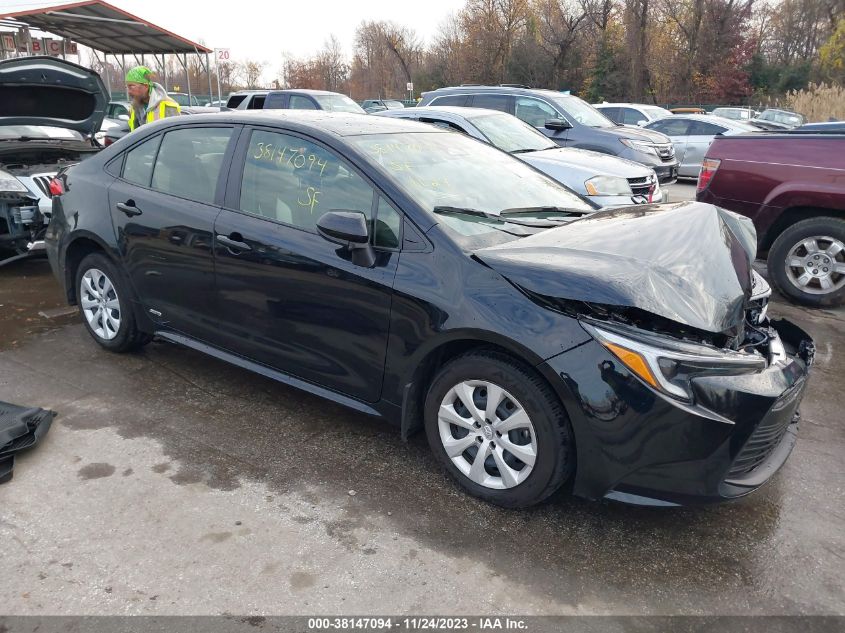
[692,134]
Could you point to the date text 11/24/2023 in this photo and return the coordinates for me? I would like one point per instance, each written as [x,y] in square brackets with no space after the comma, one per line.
[422,623]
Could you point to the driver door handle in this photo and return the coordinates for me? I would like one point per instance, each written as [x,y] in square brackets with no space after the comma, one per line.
[237,245]
[128,208]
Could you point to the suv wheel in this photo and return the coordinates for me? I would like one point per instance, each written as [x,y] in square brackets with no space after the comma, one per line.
[807,262]
[499,430]
[104,305]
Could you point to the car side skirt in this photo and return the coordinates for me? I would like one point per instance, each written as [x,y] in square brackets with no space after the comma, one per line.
[381,409]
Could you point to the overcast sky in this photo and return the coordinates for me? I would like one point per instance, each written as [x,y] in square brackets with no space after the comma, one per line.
[264,31]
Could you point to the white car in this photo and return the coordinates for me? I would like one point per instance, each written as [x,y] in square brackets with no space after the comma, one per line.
[606,180]
[38,138]
[636,114]
[692,135]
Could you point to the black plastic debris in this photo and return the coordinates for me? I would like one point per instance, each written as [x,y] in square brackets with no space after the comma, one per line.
[20,428]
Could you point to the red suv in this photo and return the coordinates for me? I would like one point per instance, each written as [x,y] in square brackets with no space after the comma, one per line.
[792,186]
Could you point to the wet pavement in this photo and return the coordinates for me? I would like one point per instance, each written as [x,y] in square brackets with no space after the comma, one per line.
[172,483]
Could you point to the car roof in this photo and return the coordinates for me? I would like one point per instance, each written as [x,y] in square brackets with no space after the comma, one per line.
[306,91]
[710,118]
[501,89]
[340,124]
[632,105]
[456,111]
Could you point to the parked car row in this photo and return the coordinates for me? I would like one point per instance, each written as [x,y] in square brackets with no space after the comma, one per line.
[607,181]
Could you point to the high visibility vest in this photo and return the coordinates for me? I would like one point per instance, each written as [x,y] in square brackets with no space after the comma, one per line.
[165,108]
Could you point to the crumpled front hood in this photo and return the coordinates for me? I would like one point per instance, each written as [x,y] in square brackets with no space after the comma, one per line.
[586,161]
[53,92]
[689,262]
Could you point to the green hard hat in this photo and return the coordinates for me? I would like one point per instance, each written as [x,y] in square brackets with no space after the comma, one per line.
[139,75]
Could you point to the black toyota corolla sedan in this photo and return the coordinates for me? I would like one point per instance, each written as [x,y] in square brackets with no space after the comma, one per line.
[415,274]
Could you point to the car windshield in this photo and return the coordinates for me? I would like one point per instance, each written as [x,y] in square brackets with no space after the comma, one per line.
[12,132]
[582,111]
[787,118]
[338,103]
[394,105]
[444,170]
[510,134]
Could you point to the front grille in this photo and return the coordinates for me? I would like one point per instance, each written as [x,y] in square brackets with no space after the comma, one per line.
[760,446]
[666,152]
[642,186]
[43,183]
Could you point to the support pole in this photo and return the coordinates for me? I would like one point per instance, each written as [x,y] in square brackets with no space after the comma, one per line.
[188,78]
[217,71]
[208,72]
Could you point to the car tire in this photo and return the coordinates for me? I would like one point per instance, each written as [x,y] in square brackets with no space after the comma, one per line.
[801,274]
[105,305]
[545,445]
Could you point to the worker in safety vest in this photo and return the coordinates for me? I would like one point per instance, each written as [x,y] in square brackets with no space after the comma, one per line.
[150,101]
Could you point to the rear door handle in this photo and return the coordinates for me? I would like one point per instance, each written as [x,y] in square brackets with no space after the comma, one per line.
[237,245]
[128,208]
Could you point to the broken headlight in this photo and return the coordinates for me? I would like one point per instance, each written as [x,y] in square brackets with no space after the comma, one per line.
[669,365]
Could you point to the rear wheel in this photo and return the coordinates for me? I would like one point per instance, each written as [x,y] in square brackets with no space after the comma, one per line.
[103,299]
[807,262]
[499,430]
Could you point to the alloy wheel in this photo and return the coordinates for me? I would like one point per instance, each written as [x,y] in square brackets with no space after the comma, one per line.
[816,265]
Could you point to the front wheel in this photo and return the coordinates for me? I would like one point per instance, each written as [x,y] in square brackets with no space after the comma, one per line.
[499,430]
[103,299]
[807,262]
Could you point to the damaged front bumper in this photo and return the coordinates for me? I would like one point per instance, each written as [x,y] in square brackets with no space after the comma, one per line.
[22,226]
[638,445]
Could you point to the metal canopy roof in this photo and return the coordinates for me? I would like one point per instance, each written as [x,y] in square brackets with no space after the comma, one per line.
[105,28]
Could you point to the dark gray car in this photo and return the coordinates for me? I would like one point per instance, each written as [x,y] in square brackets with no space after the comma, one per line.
[568,121]
[311,100]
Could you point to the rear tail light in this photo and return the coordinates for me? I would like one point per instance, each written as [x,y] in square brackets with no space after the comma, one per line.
[708,170]
[56,187]
[107,140]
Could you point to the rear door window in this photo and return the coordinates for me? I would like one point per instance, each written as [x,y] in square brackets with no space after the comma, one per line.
[274,101]
[632,117]
[611,113]
[492,102]
[189,161]
[451,100]
[138,167]
[700,128]
[298,102]
[671,126]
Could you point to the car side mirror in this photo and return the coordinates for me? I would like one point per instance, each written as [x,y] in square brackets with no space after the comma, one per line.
[123,117]
[350,230]
[557,125]
[642,123]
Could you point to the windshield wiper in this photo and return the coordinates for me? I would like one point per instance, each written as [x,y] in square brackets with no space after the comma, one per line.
[547,209]
[498,217]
